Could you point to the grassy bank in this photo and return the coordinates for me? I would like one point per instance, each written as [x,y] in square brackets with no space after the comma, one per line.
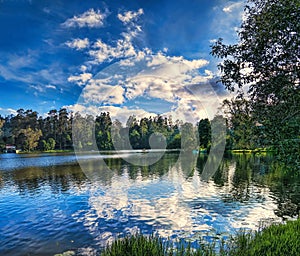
[47,151]
[277,239]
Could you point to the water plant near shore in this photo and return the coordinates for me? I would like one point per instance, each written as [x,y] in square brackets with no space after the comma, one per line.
[277,239]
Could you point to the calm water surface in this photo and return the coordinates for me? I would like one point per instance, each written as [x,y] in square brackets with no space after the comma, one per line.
[49,205]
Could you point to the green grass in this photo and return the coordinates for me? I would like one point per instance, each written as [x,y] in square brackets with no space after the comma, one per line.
[139,245]
[278,239]
[46,151]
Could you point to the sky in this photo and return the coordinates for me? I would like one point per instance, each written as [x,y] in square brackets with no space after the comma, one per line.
[126,57]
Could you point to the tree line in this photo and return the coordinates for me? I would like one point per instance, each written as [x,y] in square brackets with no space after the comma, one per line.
[28,131]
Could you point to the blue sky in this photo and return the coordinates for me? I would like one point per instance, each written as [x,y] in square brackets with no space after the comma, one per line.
[126,57]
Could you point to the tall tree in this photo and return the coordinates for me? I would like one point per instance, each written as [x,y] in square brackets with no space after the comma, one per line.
[240,123]
[31,138]
[266,61]
[52,123]
[63,129]
[189,137]
[103,125]
[204,130]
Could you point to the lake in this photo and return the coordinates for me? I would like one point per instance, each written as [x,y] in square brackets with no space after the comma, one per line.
[50,204]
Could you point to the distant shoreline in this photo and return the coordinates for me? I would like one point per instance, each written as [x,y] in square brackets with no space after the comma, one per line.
[200,151]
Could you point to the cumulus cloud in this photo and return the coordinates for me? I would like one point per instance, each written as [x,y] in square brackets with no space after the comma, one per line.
[122,48]
[130,16]
[139,72]
[83,110]
[78,43]
[90,18]
[80,79]
[151,86]
[98,91]
[172,79]
[105,52]
[161,58]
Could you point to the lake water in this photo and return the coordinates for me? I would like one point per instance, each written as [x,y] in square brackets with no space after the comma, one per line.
[50,204]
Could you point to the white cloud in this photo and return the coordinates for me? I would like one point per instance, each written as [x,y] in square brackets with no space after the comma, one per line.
[233,6]
[227,19]
[14,71]
[83,110]
[80,79]
[99,91]
[160,58]
[120,113]
[83,68]
[195,64]
[130,16]
[50,86]
[156,76]
[7,111]
[152,86]
[142,73]
[38,88]
[123,47]
[90,18]
[104,52]
[78,43]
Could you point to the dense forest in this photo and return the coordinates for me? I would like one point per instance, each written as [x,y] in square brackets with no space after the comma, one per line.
[28,131]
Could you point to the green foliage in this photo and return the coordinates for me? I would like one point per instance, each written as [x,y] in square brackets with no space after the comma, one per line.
[43,145]
[139,245]
[277,239]
[189,138]
[136,245]
[58,129]
[30,138]
[51,144]
[240,124]
[174,141]
[280,239]
[266,61]
[103,125]
[204,130]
